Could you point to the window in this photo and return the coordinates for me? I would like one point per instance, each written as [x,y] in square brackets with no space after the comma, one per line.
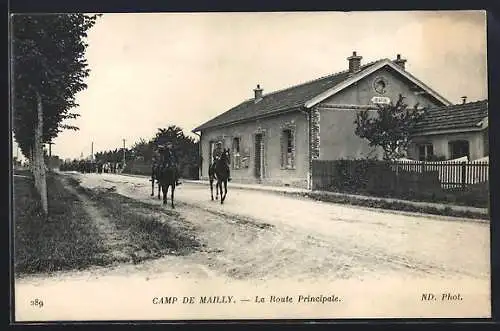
[287,149]
[236,153]
[459,148]
[425,152]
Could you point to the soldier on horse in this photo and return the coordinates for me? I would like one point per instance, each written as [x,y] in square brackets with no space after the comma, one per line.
[218,151]
[166,158]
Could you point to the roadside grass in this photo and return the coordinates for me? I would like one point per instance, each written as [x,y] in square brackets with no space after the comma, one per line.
[66,239]
[150,230]
[395,205]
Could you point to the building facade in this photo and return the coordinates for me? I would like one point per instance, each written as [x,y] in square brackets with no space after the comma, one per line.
[451,132]
[274,137]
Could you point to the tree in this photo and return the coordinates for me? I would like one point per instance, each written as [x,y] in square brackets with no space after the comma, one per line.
[390,128]
[186,147]
[48,70]
[143,149]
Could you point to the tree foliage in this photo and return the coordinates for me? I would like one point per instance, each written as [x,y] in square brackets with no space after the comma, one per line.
[390,128]
[186,148]
[47,59]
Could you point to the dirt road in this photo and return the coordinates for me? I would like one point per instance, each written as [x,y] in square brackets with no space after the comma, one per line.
[261,235]
[269,240]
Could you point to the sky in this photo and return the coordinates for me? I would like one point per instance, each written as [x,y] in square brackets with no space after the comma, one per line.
[149,71]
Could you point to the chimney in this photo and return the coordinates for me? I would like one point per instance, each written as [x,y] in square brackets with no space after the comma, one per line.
[258,94]
[354,63]
[400,62]
[464,99]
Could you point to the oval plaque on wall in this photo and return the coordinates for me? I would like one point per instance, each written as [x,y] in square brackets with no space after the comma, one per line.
[380,85]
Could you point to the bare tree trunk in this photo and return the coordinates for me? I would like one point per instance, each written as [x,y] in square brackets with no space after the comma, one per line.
[39,163]
[32,163]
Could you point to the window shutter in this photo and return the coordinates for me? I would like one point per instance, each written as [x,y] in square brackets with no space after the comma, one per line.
[292,156]
[283,146]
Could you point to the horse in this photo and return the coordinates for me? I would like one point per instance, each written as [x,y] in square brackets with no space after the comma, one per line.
[167,179]
[222,173]
[211,179]
[155,176]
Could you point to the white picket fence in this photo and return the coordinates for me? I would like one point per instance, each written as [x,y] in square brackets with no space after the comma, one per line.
[452,173]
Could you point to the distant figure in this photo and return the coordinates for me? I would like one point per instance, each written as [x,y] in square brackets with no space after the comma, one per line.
[99,167]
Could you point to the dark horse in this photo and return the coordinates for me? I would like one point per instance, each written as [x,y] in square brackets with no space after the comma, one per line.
[167,179]
[222,173]
[211,178]
[155,176]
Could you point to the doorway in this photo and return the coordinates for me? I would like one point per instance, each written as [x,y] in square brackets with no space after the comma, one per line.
[258,161]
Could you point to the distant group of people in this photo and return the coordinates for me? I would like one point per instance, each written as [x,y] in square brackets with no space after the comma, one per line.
[90,166]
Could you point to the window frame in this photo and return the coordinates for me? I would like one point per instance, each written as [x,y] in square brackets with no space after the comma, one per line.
[236,155]
[288,146]
[453,143]
[426,146]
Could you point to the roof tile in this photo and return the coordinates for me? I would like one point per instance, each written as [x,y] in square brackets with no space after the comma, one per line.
[282,100]
[459,116]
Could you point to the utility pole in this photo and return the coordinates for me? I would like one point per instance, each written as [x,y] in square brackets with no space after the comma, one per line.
[92,151]
[50,148]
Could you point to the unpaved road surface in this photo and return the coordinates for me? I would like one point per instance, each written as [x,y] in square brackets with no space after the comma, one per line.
[266,240]
[257,235]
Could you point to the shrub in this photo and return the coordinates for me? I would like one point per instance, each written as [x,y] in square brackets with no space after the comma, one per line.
[379,178]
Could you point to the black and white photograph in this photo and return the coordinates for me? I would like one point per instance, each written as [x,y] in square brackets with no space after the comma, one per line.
[250,165]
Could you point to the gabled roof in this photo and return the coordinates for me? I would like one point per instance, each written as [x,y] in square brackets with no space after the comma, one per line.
[361,74]
[307,95]
[467,116]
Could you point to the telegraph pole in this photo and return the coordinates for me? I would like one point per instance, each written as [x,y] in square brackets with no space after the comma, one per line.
[50,148]
[92,151]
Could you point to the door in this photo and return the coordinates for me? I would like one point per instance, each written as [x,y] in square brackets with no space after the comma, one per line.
[258,156]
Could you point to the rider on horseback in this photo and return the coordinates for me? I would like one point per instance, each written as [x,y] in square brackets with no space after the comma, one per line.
[217,154]
[169,159]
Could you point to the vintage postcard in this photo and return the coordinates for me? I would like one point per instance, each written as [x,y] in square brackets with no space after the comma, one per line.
[221,166]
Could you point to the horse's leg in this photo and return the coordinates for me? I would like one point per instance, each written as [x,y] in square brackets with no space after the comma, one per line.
[159,185]
[172,194]
[152,186]
[222,194]
[225,190]
[212,188]
[219,184]
[164,189]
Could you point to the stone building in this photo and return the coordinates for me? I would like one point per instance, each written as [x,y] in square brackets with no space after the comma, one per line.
[274,137]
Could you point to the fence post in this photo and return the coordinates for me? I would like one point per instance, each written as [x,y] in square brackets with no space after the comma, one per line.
[463,175]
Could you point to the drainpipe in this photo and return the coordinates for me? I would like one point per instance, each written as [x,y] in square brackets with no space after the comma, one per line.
[200,170]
